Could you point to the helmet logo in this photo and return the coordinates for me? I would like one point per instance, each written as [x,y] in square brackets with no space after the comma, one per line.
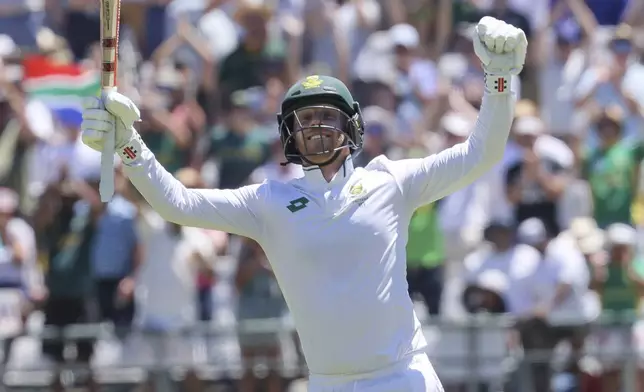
[312,81]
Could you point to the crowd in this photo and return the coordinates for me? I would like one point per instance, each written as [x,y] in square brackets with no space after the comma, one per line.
[550,237]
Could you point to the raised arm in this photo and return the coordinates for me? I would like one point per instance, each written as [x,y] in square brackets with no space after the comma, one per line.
[425,180]
[235,211]
[501,48]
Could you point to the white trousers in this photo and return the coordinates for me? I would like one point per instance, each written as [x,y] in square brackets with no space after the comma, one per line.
[413,375]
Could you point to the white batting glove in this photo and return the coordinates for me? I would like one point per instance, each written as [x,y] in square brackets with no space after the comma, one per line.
[501,48]
[99,118]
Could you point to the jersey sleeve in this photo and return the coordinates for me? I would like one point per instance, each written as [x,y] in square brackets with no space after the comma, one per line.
[236,211]
[425,180]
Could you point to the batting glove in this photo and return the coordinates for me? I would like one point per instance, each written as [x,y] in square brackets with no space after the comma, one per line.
[100,116]
[501,48]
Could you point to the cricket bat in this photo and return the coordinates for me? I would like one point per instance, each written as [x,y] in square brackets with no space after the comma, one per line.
[110,18]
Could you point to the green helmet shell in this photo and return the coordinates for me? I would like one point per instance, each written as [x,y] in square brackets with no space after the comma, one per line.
[316,90]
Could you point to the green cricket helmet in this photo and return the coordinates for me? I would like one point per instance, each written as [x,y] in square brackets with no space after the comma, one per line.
[319,106]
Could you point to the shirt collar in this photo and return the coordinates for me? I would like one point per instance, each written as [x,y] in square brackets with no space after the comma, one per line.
[313,174]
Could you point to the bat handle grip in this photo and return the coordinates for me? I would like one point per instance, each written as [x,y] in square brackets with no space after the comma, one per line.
[106,186]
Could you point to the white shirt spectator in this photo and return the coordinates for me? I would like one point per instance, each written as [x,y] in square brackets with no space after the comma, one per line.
[519,263]
[167,291]
[571,268]
[220,32]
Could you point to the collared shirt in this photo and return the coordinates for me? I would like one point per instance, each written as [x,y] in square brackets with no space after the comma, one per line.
[338,247]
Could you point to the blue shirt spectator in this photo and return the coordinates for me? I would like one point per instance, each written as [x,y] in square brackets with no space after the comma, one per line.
[115,241]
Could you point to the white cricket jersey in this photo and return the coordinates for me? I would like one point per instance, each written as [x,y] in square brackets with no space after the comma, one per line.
[338,247]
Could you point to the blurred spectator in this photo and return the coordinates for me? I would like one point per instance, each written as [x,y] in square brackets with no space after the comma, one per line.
[463,214]
[171,119]
[116,258]
[239,144]
[562,58]
[259,298]
[417,78]
[501,252]
[425,257]
[613,82]
[274,168]
[67,225]
[379,135]
[486,294]
[619,283]
[20,283]
[537,179]
[563,305]
[218,29]
[612,170]
[210,244]
[258,55]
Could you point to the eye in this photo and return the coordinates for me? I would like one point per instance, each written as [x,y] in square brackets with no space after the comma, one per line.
[330,116]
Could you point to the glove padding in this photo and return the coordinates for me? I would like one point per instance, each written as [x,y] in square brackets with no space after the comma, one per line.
[99,118]
[502,49]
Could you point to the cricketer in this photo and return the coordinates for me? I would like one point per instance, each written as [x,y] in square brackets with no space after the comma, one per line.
[336,237]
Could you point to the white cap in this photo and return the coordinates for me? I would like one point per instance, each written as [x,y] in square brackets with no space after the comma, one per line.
[493,280]
[621,234]
[528,125]
[582,226]
[456,124]
[404,34]
[532,231]
[591,243]
[7,45]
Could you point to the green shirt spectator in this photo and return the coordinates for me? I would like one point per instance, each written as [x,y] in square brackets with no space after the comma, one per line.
[612,175]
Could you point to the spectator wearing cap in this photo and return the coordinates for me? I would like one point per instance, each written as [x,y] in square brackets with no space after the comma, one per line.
[500,251]
[258,55]
[620,284]
[563,304]
[615,81]
[487,293]
[589,239]
[537,176]
[239,144]
[612,170]
[416,84]
[560,69]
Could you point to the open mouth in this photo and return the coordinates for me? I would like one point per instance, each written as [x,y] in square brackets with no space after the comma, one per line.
[318,136]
